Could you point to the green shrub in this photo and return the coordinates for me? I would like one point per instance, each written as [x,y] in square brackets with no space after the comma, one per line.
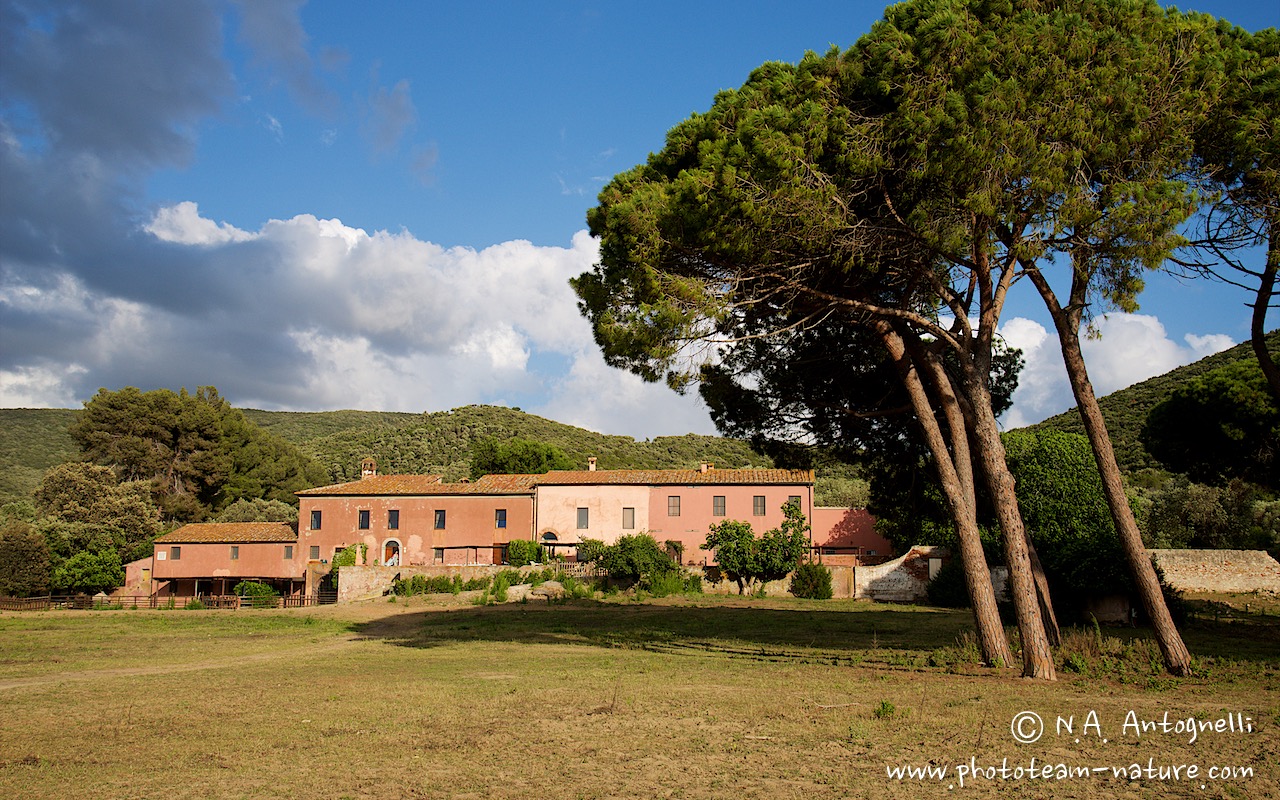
[522,551]
[812,581]
[260,595]
[194,604]
[949,588]
[477,584]
[664,583]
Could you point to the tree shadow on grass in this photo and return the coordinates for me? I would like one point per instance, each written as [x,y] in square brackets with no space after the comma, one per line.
[836,633]
[895,635]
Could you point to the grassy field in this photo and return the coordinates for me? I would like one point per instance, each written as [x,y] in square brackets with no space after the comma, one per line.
[680,698]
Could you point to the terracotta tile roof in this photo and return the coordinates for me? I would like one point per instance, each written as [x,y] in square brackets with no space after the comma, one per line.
[214,532]
[665,477]
[430,485]
[378,485]
[425,485]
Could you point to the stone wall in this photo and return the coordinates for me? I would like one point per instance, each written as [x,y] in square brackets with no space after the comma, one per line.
[1219,570]
[364,582]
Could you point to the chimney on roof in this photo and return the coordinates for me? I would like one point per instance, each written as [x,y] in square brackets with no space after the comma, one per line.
[368,468]
[706,467]
[591,464]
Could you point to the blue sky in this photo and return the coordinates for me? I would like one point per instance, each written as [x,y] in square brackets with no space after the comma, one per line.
[337,205]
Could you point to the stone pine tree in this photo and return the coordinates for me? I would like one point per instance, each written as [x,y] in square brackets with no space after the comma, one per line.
[769,214]
[1239,148]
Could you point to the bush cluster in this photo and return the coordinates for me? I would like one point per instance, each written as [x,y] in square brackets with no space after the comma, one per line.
[812,581]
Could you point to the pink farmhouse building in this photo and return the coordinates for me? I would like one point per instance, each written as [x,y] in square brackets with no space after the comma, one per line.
[419,520]
[212,557]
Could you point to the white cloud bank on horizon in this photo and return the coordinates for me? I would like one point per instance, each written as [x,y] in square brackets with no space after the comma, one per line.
[311,314]
[1130,349]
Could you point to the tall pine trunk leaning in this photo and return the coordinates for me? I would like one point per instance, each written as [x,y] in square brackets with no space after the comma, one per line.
[1177,658]
[992,642]
[1037,657]
[1262,302]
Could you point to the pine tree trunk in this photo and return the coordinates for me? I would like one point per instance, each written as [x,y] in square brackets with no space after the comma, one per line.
[1067,321]
[955,414]
[1258,327]
[1037,657]
[992,642]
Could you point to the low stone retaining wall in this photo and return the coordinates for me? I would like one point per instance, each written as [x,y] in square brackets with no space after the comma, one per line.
[1219,570]
[364,582]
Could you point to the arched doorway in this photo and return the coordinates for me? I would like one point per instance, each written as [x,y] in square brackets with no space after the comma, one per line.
[391,553]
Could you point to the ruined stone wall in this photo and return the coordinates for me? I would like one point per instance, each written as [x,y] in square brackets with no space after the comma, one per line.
[363,582]
[1219,570]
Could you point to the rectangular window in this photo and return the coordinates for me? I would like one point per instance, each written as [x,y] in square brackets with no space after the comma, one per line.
[673,505]
[584,519]
[717,506]
[314,553]
[393,519]
[175,553]
[629,519]
[438,555]
[315,520]
[500,518]
[439,519]
[363,519]
[757,505]
[288,552]
[235,552]
[795,498]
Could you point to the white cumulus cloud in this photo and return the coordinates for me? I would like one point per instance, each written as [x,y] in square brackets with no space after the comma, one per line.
[1129,348]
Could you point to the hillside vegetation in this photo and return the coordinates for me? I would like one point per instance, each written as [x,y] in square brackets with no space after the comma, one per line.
[1126,410]
[32,441]
[441,442]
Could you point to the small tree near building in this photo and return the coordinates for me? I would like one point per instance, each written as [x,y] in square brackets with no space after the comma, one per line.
[749,560]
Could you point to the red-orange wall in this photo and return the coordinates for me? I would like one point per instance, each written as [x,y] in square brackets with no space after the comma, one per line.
[257,560]
[696,517]
[848,527]
[469,520]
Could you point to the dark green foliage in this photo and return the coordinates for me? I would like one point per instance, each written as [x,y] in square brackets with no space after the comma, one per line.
[749,559]
[633,558]
[84,507]
[348,556]
[25,562]
[1233,517]
[198,452]
[89,572]
[1065,511]
[437,584]
[523,551]
[949,588]
[662,584]
[260,594]
[811,581]
[1221,425]
[590,549]
[516,457]
[258,510]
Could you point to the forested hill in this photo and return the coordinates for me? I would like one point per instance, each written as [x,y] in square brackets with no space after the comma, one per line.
[441,442]
[1126,410]
[34,440]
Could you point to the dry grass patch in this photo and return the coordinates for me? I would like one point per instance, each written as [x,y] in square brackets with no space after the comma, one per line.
[705,698]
